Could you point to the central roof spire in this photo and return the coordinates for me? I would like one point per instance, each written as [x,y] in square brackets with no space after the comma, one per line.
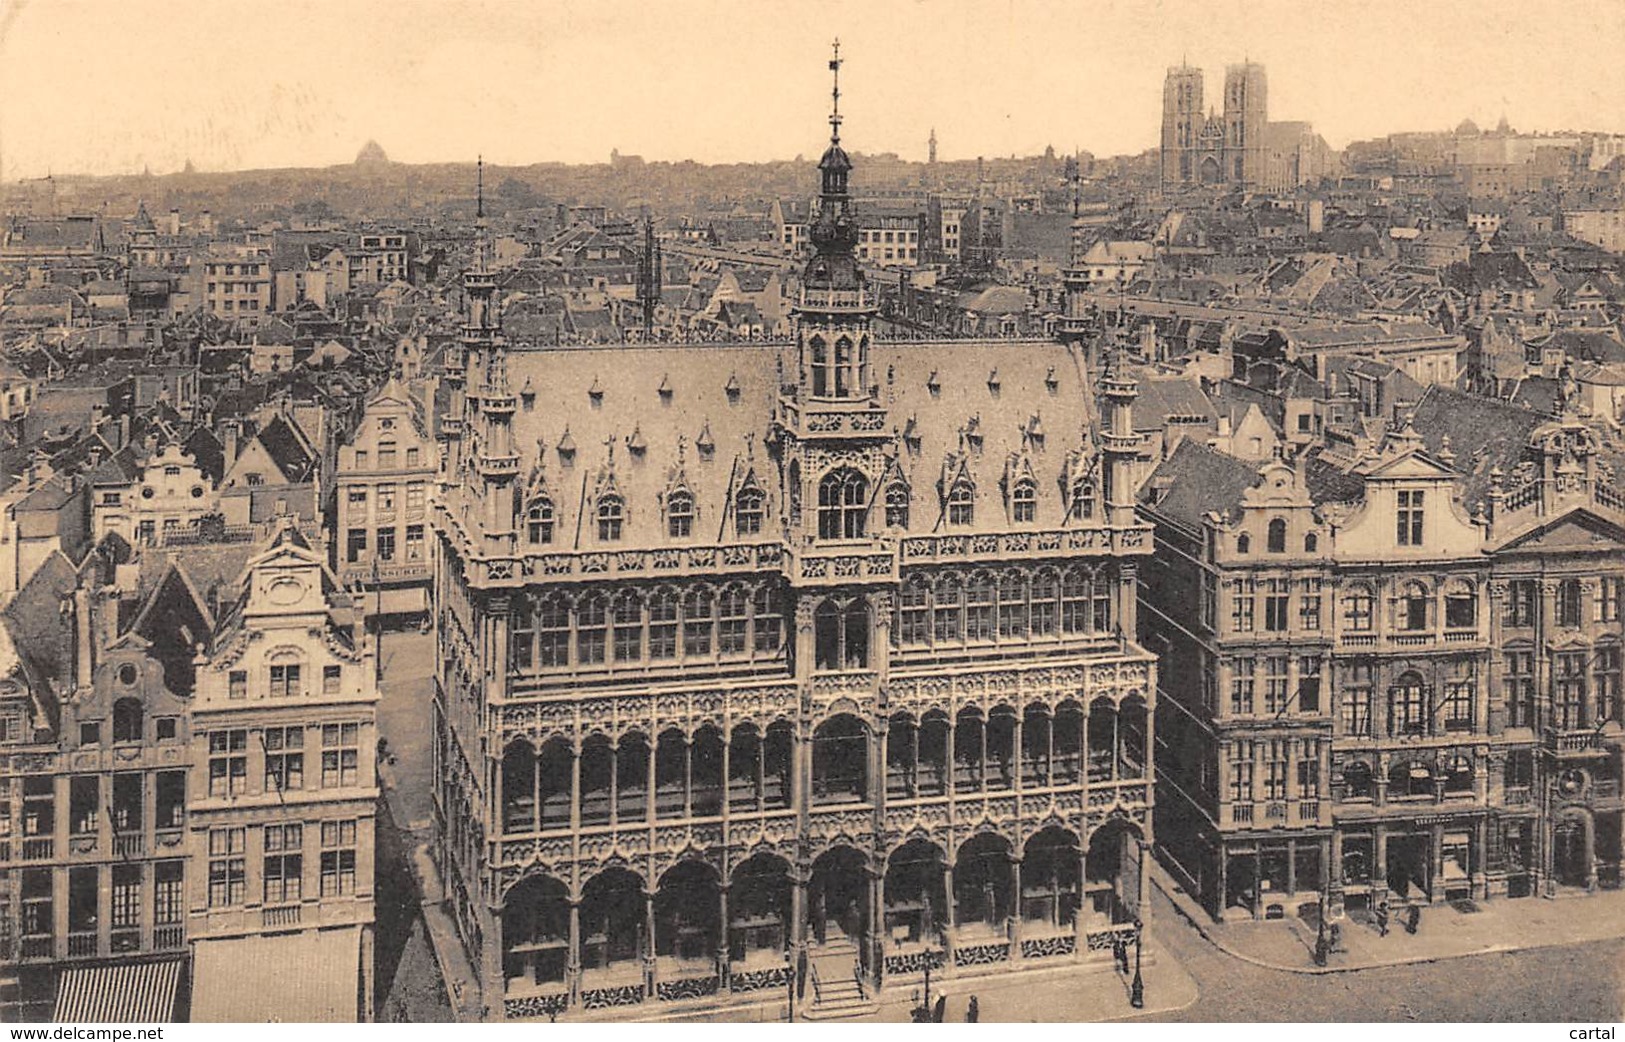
[835,95]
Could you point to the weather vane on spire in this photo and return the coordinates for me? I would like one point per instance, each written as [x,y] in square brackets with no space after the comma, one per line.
[479,191]
[835,95]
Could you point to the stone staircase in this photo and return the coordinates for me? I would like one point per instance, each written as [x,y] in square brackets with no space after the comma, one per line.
[837,994]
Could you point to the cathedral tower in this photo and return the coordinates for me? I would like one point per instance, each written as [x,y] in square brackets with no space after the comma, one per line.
[1246,111]
[1182,121]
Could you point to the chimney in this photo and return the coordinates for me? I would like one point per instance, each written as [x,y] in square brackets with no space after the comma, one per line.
[229,432]
[174,221]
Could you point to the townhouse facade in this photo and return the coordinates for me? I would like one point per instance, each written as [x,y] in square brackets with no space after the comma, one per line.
[1377,696]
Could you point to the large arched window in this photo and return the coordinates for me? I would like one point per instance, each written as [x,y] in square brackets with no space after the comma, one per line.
[843,501]
[897,505]
[1276,536]
[611,512]
[663,623]
[749,511]
[680,514]
[1024,502]
[628,626]
[592,620]
[1357,780]
[127,720]
[961,503]
[1046,594]
[553,632]
[841,634]
[1414,602]
[539,521]
[699,616]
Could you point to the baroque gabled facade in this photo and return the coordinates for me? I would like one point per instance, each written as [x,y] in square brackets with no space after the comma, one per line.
[1395,684]
[803,664]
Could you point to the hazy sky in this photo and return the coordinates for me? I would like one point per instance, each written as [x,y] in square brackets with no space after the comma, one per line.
[97,86]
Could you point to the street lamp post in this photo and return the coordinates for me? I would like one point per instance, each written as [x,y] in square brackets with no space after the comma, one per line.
[1136,995]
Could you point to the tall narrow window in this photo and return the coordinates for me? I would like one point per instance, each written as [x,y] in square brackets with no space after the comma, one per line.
[1359,608]
[749,510]
[680,515]
[1570,601]
[698,618]
[1408,520]
[610,516]
[539,522]
[592,619]
[1275,539]
[663,624]
[961,504]
[820,367]
[628,627]
[1024,502]
[914,613]
[1083,500]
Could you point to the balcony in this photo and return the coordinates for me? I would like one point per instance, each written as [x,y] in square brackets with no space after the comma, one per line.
[129,844]
[279,916]
[1586,741]
[125,940]
[82,943]
[37,947]
[1358,640]
[1516,795]
[40,848]
[169,937]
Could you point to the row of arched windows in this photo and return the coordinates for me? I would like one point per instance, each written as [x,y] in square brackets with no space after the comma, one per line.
[1275,539]
[1409,779]
[1013,605]
[632,627]
[748,770]
[681,513]
[1414,606]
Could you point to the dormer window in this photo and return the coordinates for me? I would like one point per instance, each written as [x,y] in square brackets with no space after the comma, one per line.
[1408,518]
[1083,500]
[611,512]
[665,390]
[595,394]
[897,505]
[731,388]
[993,383]
[961,503]
[1024,502]
[750,511]
[539,522]
[1244,543]
[680,515]
[567,449]
[933,384]
[1051,383]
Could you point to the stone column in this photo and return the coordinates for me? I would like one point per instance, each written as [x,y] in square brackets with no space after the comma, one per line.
[1332,873]
[1015,908]
[1379,863]
[876,941]
[798,923]
[950,912]
[572,967]
[724,974]
[648,944]
[575,788]
[688,775]
[614,782]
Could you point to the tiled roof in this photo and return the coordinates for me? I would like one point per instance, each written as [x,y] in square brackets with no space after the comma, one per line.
[1044,380]
[1483,434]
[1197,479]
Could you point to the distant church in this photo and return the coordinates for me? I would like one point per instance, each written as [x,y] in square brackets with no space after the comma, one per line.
[1241,147]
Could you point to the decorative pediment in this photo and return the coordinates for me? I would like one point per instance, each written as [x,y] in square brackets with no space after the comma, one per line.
[1412,464]
[1579,529]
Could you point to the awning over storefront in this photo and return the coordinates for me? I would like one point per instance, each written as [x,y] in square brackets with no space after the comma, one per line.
[407,600]
[130,993]
[296,978]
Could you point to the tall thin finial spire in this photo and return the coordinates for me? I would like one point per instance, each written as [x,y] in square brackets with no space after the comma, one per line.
[479,176]
[835,96]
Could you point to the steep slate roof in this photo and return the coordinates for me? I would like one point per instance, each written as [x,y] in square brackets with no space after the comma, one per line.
[1483,434]
[1196,479]
[1162,398]
[287,449]
[1043,380]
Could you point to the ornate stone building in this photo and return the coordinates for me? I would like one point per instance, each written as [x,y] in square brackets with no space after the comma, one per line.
[803,665]
[1393,680]
[1239,146]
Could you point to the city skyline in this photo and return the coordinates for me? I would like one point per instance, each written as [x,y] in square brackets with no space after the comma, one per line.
[303,86]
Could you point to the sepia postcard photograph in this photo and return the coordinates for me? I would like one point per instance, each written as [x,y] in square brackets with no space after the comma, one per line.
[551,512]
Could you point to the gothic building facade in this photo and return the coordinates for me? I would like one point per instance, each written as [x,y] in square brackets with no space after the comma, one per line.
[786,667]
